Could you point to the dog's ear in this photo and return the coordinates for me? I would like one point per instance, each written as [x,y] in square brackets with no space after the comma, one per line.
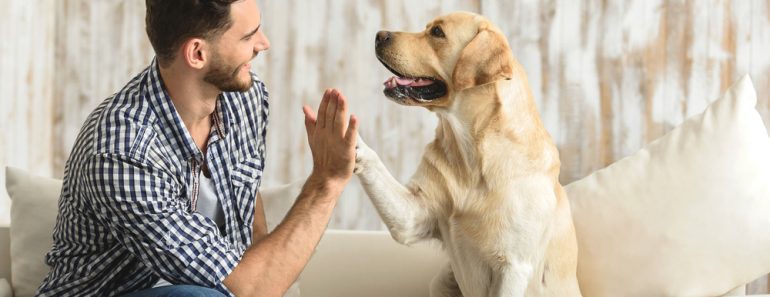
[485,59]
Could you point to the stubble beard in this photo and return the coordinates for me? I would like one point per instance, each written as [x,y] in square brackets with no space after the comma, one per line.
[225,78]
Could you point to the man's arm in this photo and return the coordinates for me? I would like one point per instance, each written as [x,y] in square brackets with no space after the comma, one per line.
[260,223]
[273,263]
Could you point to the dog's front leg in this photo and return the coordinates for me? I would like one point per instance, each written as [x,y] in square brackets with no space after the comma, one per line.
[399,207]
[445,284]
[510,280]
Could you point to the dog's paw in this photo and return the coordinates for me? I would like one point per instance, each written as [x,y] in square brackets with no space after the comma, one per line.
[364,156]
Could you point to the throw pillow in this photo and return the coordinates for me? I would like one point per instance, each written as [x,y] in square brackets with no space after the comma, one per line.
[33,215]
[688,215]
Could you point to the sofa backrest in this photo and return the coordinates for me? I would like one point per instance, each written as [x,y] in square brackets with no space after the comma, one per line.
[5,253]
[370,263]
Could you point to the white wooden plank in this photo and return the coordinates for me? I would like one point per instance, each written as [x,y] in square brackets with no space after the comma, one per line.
[26,85]
[100,46]
[608,76]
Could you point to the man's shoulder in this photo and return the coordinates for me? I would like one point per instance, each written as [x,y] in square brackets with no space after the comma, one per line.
[122,123]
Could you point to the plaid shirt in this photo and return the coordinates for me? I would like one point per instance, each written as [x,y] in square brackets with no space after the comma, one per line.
[127,208]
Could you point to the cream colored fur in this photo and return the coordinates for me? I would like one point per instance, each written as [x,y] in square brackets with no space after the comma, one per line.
[487,187]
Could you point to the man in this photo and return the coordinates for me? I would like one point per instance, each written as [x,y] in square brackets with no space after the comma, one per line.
[161,187]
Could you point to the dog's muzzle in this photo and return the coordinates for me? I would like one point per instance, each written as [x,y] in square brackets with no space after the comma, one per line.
[403,86]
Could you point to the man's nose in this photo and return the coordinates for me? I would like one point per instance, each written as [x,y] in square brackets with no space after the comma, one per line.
[383,38]
[262,43]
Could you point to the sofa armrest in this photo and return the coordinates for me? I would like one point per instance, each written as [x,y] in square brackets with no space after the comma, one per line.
[5,252]
[5,288]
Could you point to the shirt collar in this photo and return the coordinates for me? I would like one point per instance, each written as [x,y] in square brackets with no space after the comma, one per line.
[171,122]
[220,117]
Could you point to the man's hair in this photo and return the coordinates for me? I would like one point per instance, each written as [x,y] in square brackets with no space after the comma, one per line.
[171,22]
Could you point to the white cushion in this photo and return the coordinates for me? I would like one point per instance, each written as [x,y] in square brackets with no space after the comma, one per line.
[33,215]
[689,215]
[5,288]
[277,202]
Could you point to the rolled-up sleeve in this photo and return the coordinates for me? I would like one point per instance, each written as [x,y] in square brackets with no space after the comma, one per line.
[142,207]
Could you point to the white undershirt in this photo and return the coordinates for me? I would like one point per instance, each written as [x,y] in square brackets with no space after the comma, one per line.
[208,204]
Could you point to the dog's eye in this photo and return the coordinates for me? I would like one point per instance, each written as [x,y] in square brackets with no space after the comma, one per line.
[437,32]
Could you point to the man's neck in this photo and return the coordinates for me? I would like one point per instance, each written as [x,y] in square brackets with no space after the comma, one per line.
[194,100]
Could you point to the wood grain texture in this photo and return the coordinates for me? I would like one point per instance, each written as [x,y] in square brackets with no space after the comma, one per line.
[26,88]
[609,76]
[100,46]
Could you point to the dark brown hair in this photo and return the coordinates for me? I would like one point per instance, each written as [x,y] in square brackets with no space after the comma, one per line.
[171,22]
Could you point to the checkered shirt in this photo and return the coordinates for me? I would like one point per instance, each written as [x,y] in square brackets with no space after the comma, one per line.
[127,212]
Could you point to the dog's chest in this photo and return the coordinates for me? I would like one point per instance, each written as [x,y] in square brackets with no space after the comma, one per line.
[492,221]
[474,223]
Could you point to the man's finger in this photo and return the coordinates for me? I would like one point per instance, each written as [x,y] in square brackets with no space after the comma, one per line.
[352,133]
[341,116]
[321,120]
[331,109]
[310,121]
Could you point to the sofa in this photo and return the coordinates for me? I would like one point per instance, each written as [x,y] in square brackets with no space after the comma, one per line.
[345,263]
[687,215]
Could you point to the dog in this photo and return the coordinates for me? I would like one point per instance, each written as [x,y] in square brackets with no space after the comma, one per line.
[487,186]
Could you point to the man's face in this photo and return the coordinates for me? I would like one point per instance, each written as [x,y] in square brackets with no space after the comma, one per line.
[232,53]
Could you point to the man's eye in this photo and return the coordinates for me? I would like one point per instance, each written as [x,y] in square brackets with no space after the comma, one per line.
[437,32]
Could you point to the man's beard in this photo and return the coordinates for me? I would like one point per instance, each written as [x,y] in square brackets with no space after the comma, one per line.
[225,78]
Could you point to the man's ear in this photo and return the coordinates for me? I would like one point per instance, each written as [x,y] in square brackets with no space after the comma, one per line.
[195,52]
[487,58]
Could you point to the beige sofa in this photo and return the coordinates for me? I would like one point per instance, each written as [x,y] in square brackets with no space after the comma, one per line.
[346,263]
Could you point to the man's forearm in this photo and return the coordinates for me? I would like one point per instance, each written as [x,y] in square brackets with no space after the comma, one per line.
[259,228]
[273,263]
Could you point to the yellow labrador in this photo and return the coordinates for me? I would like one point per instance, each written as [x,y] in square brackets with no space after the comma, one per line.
[487,187]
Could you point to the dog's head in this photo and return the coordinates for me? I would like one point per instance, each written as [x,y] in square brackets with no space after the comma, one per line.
[455,52]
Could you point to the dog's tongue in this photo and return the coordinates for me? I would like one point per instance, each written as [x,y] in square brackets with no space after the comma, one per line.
[411,82]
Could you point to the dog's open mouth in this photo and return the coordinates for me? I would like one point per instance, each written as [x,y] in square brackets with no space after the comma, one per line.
[419,88]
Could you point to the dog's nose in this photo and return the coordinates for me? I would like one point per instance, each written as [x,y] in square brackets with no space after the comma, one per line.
[383,38]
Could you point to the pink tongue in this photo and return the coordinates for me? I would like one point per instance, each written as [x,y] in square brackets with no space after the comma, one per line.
[413,82]
[404,81]
[422,82]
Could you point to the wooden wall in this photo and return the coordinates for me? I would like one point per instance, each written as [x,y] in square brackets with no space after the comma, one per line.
[609,75]
[26,89]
